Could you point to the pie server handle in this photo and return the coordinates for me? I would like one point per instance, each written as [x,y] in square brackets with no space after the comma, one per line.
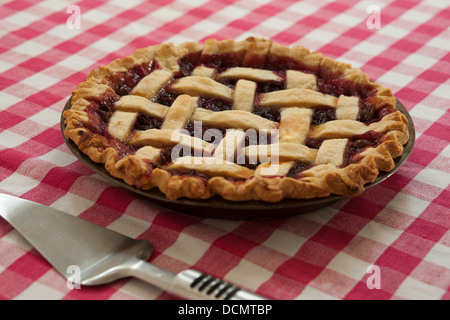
[190,284]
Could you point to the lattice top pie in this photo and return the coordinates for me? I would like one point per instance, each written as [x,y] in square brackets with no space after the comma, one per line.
[247,120]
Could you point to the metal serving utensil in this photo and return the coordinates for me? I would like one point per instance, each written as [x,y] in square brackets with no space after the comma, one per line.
[103,255]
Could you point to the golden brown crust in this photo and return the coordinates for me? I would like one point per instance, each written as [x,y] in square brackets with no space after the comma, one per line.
[319,181]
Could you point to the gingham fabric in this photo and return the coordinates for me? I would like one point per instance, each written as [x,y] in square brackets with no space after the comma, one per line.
[400,226]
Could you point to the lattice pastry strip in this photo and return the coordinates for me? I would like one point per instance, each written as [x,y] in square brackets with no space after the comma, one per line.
[244,95]
[150,85]
[298,79]
[297,98]
[201,86]
[347,108]
[332,151]
[252,74]
[348,128]
[121,123]
[212,166]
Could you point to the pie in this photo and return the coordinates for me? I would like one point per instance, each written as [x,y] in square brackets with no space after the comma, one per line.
[241,120]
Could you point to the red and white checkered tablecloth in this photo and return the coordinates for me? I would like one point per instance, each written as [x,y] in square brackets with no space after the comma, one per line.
[401,226]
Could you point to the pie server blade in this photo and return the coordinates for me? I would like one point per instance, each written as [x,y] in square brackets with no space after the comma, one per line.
[88,254]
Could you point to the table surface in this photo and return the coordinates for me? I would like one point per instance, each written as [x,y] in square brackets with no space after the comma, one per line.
[400,227]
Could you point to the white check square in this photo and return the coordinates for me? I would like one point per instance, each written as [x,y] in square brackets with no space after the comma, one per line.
[439,42]
[47,117]
[38,291]
[129,226]
[303,8]
[408,204]
[107,45]
[416,16]
[434,177]
[96,16]
[393,31]
[285,242]
[18,184]
[379,233]
[369,48]
[167,13]
[415,60]
[417,290]
[277,23]
[10,139]
[248,274]
[347,20]
[72,204]
[20,19]
[58,158]
[187,249]
[76,62]
[422,111]
[443,91]
[311,293]
[439,254]
[349,266]
[7,100]
[31,48]
[395,78]
[40,81]
[322,35]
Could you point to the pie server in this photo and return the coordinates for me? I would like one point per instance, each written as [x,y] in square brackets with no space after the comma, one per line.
[102,256]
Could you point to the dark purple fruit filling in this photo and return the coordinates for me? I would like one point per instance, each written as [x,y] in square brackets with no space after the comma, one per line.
[123,82]
[366,113]
[382,112]
[96,123]
[313,143]
[269,86]
[296,171]
[168,154]
[165,97]
[221,61]
[337,86]
[215,104]
[145,122]
[188,63]
[323,114]
[104,102]
[264,87]
[230,83]
[100,111]
[269,113]
[253,60]
[121,148]
[165,156]
[360,142]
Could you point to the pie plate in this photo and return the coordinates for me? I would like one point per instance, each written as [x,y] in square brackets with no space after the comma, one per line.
[220,208]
